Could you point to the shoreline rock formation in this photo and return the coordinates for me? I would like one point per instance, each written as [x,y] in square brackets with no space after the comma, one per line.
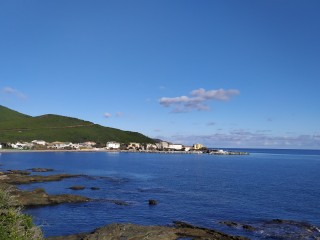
[179,230]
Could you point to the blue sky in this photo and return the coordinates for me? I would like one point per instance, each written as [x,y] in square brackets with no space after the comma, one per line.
[223,73]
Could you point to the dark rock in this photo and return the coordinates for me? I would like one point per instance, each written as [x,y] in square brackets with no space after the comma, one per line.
[133,231]
[249,227]
[39,197]
[77,188]
[230,223]
[238,225]
[118,202]
[24,179]
[95,188]
[152,202]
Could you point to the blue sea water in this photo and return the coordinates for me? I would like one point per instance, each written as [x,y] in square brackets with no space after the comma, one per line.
[199,189]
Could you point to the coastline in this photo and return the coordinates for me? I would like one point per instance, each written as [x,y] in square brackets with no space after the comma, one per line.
[121,151]
[228,225]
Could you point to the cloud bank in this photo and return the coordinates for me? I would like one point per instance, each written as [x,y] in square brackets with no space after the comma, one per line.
[198,99]
[247,139]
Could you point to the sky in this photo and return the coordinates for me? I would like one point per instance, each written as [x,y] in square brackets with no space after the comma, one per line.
[224,73]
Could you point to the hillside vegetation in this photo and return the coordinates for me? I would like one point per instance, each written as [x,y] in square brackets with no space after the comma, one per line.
[15,126]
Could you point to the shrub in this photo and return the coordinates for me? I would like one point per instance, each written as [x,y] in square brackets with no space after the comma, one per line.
[14,225]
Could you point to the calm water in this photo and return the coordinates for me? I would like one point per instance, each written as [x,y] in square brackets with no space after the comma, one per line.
[199,189]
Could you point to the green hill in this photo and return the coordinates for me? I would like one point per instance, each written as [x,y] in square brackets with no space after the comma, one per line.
[15,126]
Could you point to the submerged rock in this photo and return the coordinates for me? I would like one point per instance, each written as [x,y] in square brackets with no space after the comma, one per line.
[95,188]
[42,169]
[77,187]
[117,202]
[238,225]
[152,202]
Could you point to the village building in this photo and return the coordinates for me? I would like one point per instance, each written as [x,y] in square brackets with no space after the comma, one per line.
[151,146]
[197,146]
[21,146]
[134,146]
[162,145]
[60,145]
[89,144]
[39,142]
[176,147]
[187,148]
[113,145]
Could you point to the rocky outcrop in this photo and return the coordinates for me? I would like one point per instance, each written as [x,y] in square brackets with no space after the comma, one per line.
[152,202]
[39,197]
[22,178]
[278,229]
[42,169]
[238,225]
[134,232]
[77,187]
[36,197]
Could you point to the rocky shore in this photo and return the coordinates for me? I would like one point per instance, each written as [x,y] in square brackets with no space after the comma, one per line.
[37,197]
[274,229]
[179,230]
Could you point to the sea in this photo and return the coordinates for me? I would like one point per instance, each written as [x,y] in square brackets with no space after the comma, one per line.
[275,191]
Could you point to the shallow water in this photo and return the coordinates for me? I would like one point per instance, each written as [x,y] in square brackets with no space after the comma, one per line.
[199,189]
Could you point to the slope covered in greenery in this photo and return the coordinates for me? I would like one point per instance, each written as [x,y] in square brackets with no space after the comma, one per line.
[15,126]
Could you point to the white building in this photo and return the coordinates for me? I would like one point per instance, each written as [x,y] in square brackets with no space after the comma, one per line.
[187,148]
[21,146]
[113,145]
[0,146]
[89,144]
[39,142]
[151,146]
[162,145]
[133,145]
[177,147]
[60,145]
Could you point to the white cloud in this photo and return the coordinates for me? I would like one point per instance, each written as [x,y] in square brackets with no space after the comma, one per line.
[14,92]
[107,115]
[197,100]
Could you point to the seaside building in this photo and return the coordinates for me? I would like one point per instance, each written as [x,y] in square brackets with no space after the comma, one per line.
[151,146]
[162,145]
[177,147]
[21,146]
[39,142]
[133,145]
[197,146]
[113,145]
[60,145]
[187,148]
